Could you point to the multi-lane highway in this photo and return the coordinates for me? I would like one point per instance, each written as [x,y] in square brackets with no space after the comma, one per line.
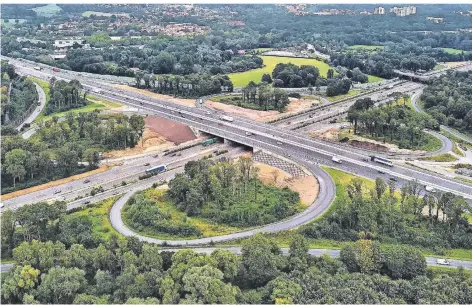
[272,138]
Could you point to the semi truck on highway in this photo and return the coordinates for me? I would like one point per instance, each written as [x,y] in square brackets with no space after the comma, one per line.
[226,118]
[156,169]
[381,160]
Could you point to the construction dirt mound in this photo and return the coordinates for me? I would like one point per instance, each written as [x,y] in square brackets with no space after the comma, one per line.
[369,146]
[173,131]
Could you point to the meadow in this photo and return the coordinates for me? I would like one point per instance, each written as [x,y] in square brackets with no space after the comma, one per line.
[243,78]
[452,51]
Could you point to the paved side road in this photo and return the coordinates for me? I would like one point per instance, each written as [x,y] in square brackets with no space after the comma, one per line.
[430,261]
[325,197]
[39,108]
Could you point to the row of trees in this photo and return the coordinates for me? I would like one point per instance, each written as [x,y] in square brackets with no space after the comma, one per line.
[64,95]
[435,221]
[128,271]
[264,97]
[193,85]
[231,193]
[62,145]
[23,95]
[449,100]
[392,123]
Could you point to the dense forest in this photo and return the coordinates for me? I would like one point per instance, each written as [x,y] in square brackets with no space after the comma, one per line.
[224,192]
[449,100]
[412,42]
[128,271]
[393,123]
[436,221]
[58,147]
[23,95]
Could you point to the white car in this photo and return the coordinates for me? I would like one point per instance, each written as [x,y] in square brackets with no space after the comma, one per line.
[336,159]
[430,189]
[443,261]
[248,133]
[1,205]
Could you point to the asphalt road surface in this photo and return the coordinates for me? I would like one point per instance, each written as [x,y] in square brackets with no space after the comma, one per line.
[268,137]
[39,108]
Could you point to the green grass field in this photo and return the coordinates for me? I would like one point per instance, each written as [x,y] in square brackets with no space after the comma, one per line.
[47,10]
[97,213]
[243,78]
[440,158]
[365,47]
[374,79]
[453,51]
[342,96]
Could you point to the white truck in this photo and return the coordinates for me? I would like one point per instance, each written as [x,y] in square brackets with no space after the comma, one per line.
[226,118]
[443,261]
[37,68]
[336,159]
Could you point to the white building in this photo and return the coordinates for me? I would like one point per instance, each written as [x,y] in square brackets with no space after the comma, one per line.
[379,10]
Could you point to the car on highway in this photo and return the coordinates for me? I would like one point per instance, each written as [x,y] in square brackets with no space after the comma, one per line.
[248,133]
[57,191]
[1,205]
[147,164]
[279,143]
[365,159]
[86,180]
[380,171]
[208,112]
[336,159]
[393,179]
[443,261]
[87,202]
[430,189]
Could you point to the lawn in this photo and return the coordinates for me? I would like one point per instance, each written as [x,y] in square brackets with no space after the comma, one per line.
[453,51]
[457,151]
[351,93]
[93,103]
[97,213]
[237,100]
[243,78]
[438,67]
[374,79]
[440,158]
[47,10]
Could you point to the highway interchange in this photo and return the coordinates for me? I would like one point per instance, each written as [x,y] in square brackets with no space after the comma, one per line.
[301,149]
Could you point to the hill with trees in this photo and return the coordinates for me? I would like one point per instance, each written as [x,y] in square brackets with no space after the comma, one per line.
[449,100]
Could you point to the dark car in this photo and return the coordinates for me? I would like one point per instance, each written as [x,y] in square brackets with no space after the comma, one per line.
[393,179]
[147,164]
[86,180]
[87,202]
[381,171]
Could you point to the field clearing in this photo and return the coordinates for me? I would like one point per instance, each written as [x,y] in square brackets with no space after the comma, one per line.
[243,78]
[340,97]
[374,79]
[89,13]
[365,47]
[453,51]
[97,213]
[47,10]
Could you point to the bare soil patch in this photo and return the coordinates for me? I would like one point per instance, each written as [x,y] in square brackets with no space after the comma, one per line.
[296,105]
[168,98]
[307,186]
[173,131]
[152,141]
[369,146]
[55,183]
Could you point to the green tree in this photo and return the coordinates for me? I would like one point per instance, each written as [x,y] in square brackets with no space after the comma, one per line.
[15,164]
[17,282]
[61,285]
